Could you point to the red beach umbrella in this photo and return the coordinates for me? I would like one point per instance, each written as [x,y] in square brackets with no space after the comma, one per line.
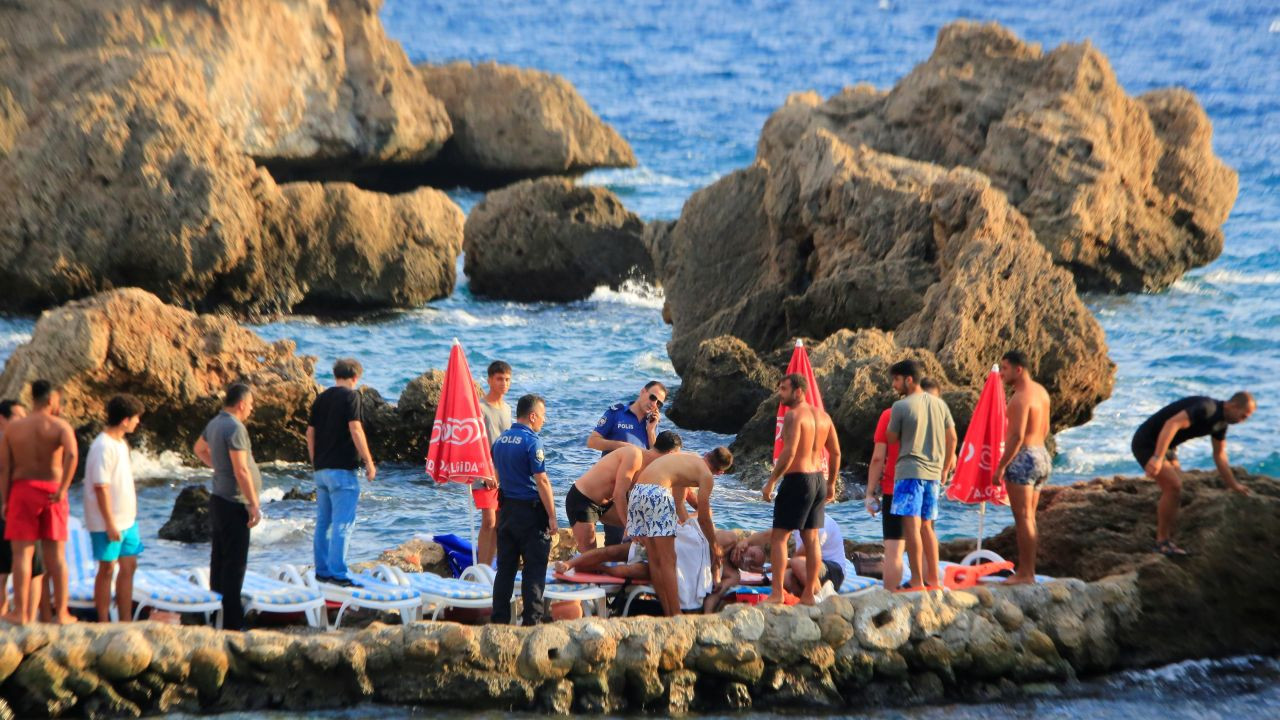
[459,449]
[975,478]
[799,364]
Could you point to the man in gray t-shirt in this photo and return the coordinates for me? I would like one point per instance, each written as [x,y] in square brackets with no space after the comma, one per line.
[233,507]
[921,425]
[496,414]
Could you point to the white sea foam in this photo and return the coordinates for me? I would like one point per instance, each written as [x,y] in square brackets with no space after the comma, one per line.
[166,465]
[463,318]
[274,494]
[1233,277]
[276,530]
[1088,460]
[633,293]
[1191,287]
[652,362]
[1189,670]
[634,177]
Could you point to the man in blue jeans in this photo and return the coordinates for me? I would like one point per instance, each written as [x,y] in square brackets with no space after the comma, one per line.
[337,446]
[921,425]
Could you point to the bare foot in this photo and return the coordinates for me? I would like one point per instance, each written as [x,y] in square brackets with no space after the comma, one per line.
[13,619]
[808,599]
[774,599]
[913,587]
[66,618]
[561,566]
[1020,580]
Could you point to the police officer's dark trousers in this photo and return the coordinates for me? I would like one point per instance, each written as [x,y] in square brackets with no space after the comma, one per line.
[522,535]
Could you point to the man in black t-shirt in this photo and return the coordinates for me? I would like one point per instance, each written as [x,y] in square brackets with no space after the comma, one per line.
[1156,442]
[337,446]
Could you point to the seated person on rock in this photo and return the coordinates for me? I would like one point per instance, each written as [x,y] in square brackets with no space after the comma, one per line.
[834,565]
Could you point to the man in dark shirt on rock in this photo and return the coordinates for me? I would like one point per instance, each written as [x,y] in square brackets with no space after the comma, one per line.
[526,513]
[1155,447]
[233,504]
[337,446]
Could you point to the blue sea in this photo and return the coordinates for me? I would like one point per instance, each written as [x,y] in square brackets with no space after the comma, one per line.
[689,85]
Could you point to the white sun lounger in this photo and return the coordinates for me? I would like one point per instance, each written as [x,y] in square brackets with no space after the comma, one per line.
[439,593]
[82,569]
[171,591]
[592,597]
[270,593]
[369,593]
[856,585]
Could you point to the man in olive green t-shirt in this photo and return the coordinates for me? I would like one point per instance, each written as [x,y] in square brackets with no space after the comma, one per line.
[922,426]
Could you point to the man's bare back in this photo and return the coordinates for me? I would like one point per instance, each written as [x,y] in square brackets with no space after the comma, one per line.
[1035,399]
[676,470]
[599,481]
[813,426]
[36,445]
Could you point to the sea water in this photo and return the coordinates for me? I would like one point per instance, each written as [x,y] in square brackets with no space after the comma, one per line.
[689,85]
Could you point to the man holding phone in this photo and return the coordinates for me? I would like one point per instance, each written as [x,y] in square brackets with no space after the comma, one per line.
[629,424]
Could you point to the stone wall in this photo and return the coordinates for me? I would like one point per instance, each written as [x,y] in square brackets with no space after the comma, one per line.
[875,649]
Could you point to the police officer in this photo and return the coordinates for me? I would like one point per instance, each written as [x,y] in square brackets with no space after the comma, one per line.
[628,424]
[526,512]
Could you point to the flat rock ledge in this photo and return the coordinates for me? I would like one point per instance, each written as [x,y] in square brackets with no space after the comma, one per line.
[870,650]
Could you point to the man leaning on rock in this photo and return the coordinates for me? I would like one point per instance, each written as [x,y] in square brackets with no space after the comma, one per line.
[233,505]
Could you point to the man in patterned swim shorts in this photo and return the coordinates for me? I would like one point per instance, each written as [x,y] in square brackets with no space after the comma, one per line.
[1026,464]
[657,502]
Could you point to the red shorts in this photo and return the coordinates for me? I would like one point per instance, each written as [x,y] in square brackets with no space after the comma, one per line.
[485,498]
[31,515]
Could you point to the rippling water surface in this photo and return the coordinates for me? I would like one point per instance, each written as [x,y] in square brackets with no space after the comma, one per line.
[689,85]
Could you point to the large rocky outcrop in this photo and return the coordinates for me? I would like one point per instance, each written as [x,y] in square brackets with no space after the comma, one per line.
[512,123]
[831,237]
[130,132]
[176,362]
[1218,601]
[549,239]
[1125,192]
[400,432]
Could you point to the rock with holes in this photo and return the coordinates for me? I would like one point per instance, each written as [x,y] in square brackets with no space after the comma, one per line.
[549,239]
[882,620]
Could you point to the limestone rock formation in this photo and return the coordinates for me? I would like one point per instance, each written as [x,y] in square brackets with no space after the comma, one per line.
[1125,192]
[831,237]
[550,240]
[726,382]
[189,520]
[1215,602]
[400,432]
[513,123]
[176,362]
[129,136]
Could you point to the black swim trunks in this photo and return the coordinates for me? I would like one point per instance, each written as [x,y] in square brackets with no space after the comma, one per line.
[1142,452]
[834,572]
[800,502]
[6,557]
[891,523]
[582,509]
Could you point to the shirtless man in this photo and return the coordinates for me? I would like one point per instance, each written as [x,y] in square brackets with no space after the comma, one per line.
[657,502]
[806,433]
[38,457]
[600,495]
[1024,468]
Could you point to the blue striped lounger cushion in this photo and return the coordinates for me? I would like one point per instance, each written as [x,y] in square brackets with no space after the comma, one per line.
[448,588]
[171,587]
[274,592]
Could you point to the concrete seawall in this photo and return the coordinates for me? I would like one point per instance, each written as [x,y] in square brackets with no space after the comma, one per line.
[873,649]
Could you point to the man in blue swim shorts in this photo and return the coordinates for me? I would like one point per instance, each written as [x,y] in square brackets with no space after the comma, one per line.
[921,425]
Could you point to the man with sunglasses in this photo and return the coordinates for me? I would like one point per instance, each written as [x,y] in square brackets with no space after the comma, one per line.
[629,424]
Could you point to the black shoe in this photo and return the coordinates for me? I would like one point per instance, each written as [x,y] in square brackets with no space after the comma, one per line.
[342,582]
[323,579]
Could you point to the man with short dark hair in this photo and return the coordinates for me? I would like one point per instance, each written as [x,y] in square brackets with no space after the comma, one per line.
[337,445]
[233,505]
[111,508]
[38,458]
[1026,464]
[656,505]
[921,424]
[526,513]
[496,414]
[634,423]
[11,410]
[1155,446]
[610,480]
[807,432]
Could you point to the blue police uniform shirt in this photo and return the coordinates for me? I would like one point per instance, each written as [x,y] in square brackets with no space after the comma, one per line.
[619,423]
[518,456]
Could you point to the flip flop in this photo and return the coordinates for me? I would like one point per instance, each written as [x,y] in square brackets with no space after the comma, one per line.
[1169,550]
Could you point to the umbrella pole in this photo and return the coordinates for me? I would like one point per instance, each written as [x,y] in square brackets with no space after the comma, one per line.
[471,516]
[982,517]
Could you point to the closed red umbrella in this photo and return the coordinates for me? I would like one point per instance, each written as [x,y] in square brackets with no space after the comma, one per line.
[459,450]
[980,453]
[800,364]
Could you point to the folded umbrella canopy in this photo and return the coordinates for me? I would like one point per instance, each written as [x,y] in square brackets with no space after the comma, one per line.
[800,364]
[459,449]
[975,478]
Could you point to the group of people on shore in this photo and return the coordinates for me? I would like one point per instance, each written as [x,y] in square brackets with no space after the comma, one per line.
[642,489]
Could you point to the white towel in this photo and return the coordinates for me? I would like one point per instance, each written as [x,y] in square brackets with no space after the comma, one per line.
[693,565]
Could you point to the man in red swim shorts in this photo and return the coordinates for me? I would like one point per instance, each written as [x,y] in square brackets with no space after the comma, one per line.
[38,457]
